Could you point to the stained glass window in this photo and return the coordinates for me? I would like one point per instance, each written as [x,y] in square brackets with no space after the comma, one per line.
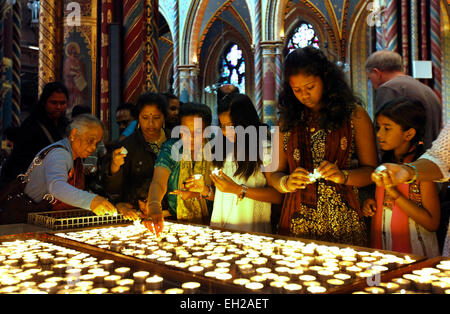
[232,67]
[303,36]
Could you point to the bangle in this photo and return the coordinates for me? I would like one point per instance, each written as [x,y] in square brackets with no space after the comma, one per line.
[283,184]
[210,190]
[152,202]
[414,178]
[345,173]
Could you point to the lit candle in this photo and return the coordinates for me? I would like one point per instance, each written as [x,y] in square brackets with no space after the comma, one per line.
[111,281]
[254,286]
[316,289]
[106,264]
[324,275]
[122,271]
[140,276]
[154,282]
[174,291]
[423,283]
[84,285]
[121,290]
[277,286]
[292,288]
[241,281]
[190,287]
[49,287]
[307,278]
[196,269]
[263,270]
[403,283]
[98,291]
[223,276]
[344,277]
[335,283]
[125,282]
[439,287]
[390,287]
[374,290]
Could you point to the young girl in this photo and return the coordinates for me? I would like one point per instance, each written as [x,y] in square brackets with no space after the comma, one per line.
[323,131]
[242,199]
[404,217]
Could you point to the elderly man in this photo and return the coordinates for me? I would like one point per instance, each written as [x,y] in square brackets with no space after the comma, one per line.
[385,71]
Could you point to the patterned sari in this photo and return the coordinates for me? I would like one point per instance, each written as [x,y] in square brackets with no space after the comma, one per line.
[324,210]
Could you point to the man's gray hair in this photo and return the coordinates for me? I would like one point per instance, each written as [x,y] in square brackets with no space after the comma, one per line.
[385,61]
[83,122]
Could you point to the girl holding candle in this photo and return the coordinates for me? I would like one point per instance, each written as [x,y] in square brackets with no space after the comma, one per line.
[242,199]
[323,129]
[171,173]
[130,170]
[406,216]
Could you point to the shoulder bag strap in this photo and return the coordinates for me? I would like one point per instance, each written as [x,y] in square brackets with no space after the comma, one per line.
[47,133]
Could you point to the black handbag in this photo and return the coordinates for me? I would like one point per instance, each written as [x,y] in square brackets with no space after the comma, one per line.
[15,205]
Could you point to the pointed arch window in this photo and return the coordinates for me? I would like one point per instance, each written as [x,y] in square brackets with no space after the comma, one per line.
[304,35]
[232,67]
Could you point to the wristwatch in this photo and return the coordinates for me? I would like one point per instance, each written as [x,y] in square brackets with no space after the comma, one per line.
[243,191]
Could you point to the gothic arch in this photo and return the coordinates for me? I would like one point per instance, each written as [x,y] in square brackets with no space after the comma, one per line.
[209,67]
[301,13]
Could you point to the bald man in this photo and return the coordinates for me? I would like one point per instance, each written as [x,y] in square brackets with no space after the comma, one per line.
[385,70]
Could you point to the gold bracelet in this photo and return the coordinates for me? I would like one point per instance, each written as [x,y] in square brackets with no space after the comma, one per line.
[283,184]
[414,178]
[345,173]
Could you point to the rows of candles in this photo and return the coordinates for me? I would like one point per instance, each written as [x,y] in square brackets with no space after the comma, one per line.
[434,280]
[33,266]
[257,263]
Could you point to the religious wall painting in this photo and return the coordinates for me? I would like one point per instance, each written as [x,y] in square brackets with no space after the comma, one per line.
[77,70]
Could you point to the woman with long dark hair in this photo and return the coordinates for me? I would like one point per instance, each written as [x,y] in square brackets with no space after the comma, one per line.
[323,128]
[242,199]
[46,124]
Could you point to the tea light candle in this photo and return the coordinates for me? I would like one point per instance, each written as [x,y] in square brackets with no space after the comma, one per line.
[324,275]
[335,283]
[307,278]
[125,282]
[111,281]
[246,269]
[84,285]
[107,264]
[190,287]
[423,283]
[196,269]
[73,272]
[154,282]
[122,271]
[439,287]
[140,276]
[374,290]
[316,289]
[49,287]
[241,281]
[353,270]
[390,287]
[9,290]
[254,286]
[344,277]
[223,276]
[403,283]
[98,291]
[292,288]
[121,290]
[263,270]
[174,291]
[211,274]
